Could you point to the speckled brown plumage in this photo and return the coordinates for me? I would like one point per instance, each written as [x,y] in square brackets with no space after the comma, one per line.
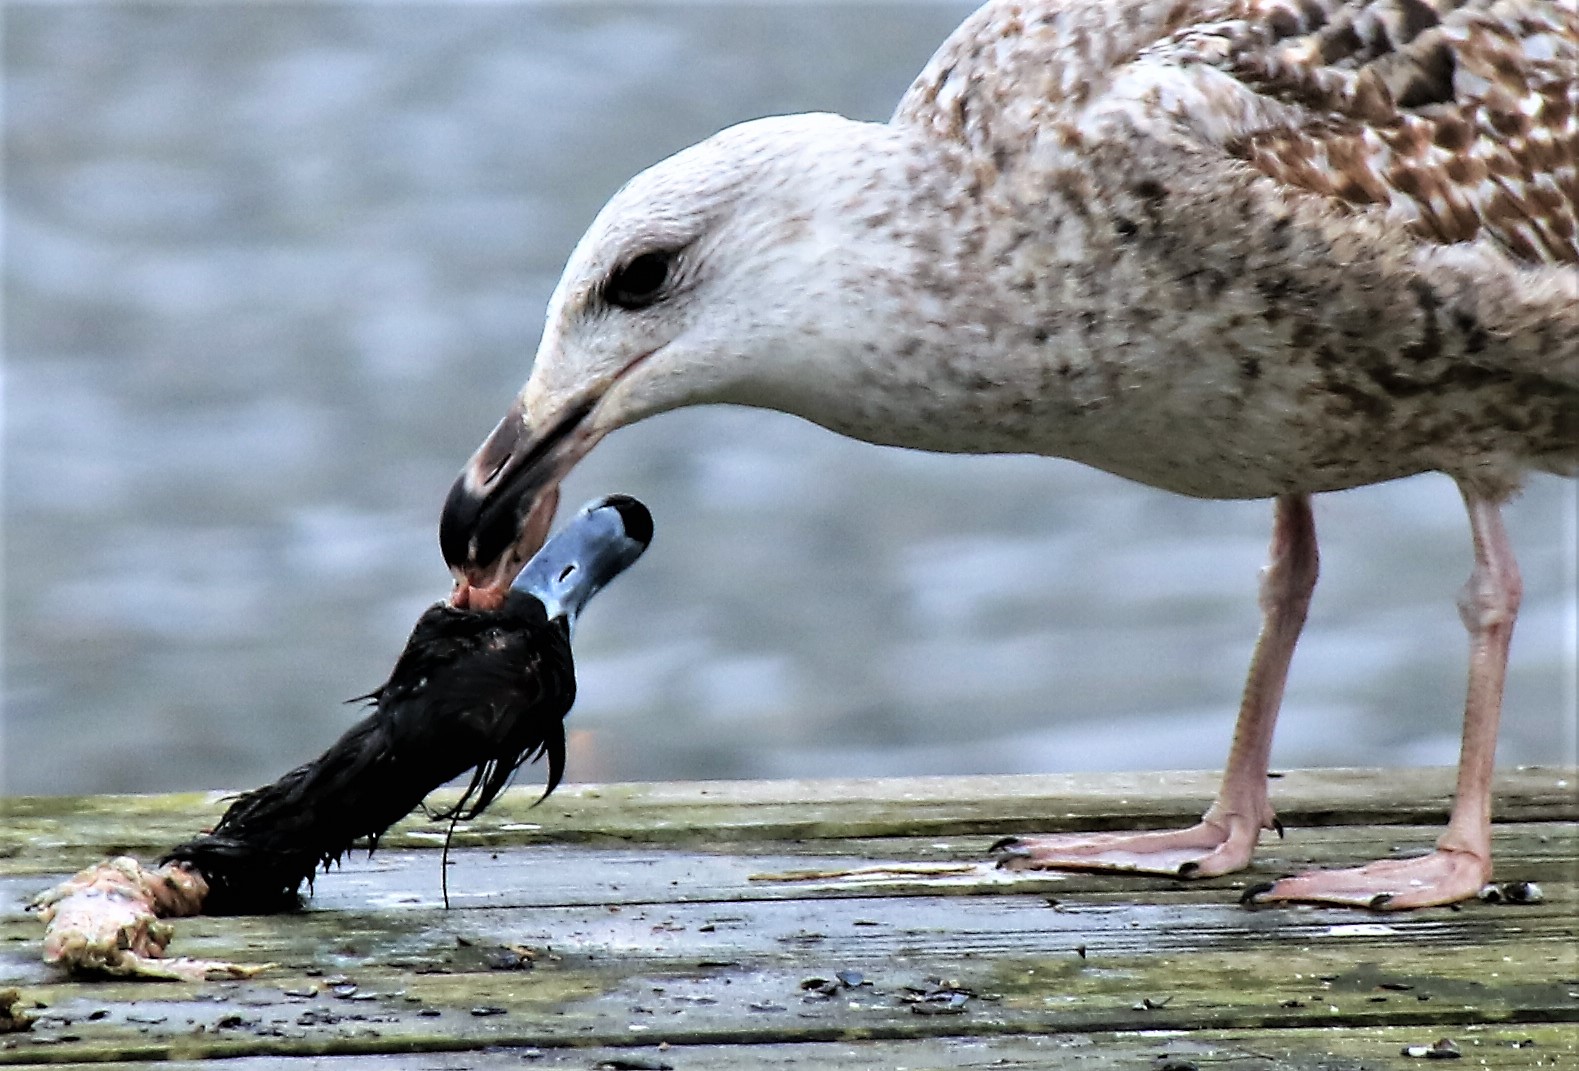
[1461,119]
[1229,248]
[1375,197]
[1468,127]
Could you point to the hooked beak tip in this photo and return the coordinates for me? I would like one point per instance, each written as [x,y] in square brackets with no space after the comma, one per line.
[458,520]
[500,507]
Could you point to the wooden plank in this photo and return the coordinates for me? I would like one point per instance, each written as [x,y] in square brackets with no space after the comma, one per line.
[58,833]
[1497,1048]
[669,937]
[864,928]
[553,875]
[576,1008]
[712,973]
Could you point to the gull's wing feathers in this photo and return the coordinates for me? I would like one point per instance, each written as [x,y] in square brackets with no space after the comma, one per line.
[1436,145]
[1464,126]
[1459,120]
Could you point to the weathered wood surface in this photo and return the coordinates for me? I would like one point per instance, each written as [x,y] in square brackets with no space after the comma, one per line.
[655,920]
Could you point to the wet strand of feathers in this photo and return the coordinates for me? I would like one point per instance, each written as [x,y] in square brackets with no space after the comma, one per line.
[508,681]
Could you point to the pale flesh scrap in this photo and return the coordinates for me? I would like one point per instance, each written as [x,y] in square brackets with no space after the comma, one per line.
[108,919]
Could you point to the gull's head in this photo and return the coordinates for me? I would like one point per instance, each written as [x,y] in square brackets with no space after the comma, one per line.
[722,274]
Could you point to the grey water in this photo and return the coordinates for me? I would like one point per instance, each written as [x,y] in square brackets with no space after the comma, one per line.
[272,270]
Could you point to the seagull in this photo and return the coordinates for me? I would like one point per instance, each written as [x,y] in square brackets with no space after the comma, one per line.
[1234,249]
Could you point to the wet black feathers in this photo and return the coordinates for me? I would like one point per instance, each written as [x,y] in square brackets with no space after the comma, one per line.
[485,692]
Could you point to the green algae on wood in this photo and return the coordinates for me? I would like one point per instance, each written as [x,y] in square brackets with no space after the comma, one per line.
[1496,1048]
[64,830]
[664,937]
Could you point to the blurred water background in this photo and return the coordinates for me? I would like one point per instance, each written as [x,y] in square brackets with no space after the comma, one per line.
[272,271]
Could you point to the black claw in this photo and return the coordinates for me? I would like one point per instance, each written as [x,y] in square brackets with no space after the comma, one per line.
[1248,897]
[1187,869]
[1010,857]
[1277,824]
[1003,843]
[1380,901]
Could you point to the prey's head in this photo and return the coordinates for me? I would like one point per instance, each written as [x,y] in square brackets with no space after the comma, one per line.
[595,546]
[717,275]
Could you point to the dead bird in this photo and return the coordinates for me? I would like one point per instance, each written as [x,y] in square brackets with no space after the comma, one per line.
[485,690]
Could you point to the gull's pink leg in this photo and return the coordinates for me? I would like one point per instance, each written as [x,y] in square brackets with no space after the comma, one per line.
[1461,863]
[1225,838]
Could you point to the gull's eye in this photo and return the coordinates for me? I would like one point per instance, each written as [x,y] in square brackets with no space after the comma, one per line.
[640,282]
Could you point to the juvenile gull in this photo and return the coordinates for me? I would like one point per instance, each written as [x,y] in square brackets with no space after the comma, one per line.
[1230,248]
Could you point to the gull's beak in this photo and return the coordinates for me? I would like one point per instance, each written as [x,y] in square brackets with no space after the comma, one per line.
[501,507]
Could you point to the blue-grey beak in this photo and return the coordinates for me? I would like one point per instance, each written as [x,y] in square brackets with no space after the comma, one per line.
[598,544]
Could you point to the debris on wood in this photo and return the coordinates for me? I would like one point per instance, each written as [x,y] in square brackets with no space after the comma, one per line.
[631,1063]
[879,872]
[13,1020]
[1442,1049]
[1512,892]
[940,996]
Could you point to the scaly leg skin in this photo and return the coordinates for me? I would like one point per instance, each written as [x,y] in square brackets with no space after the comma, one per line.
[1461,864]
[1225,838]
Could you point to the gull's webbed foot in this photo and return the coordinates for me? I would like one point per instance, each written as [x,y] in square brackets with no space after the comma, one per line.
[1446,876]
[1210,847]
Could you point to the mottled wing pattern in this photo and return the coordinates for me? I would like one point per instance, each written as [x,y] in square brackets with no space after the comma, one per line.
[1459,120]
[1017,67]
[1463,123]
